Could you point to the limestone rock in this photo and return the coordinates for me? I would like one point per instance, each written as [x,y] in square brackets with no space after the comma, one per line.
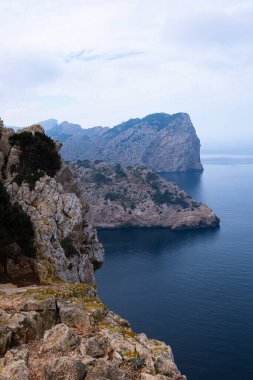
[33,129]
[5,339]
[107,348]
[15,371]
[16,355]
[97,347]
[60,338]
[64,368]
[58,213]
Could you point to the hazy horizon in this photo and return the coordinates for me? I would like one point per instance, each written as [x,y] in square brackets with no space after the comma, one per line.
[101,63]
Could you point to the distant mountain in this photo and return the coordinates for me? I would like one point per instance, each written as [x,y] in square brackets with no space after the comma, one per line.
[65,130]
[160,141]
[48,124]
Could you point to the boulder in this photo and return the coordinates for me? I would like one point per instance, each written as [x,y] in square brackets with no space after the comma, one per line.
[97,347]
[64,368]
[60,338]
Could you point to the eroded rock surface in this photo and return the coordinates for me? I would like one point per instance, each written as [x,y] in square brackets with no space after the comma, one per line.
[100,345]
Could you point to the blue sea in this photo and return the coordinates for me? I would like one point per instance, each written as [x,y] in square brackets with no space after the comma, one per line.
[193,289]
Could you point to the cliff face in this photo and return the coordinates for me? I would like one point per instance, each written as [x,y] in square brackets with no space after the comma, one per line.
[138,197]
[160,141]
[66,245]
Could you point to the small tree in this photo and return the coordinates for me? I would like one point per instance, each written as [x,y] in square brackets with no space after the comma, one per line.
[15,226]
[38,157]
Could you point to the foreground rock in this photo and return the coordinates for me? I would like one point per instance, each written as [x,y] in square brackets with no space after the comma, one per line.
[41,342]
[138,197]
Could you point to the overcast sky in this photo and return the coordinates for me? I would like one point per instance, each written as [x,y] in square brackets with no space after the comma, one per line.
[99,62]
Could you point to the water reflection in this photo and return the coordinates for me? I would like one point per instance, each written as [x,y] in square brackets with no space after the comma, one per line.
[191,182]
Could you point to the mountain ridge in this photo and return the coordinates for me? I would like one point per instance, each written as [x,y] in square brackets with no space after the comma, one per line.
[163,142]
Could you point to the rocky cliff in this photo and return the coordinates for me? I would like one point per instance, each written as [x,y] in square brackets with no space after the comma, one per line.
[66,244]
[136,196]
[59,329]
[160,141]
[64,332]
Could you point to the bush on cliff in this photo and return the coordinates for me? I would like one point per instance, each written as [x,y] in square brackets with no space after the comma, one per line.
[15,227]
[38,157]
[165,197]
[68,247]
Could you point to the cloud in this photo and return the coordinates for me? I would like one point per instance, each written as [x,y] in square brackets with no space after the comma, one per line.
[213,28]
[90,55]
[100,62]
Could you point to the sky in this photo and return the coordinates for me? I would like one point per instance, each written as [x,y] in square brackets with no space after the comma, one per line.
[100,62]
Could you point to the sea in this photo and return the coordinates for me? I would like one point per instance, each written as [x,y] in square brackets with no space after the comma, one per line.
[192,289]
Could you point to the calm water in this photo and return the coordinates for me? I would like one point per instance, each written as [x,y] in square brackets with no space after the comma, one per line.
[194,290]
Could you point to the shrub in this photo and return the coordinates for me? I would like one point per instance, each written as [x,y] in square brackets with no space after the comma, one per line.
[100,178]
[165,197]
[155,185]
[152,177]
[68,247]
[119,171]
[181,201]
[38,157]
[15,226]
[112,196]
[83,164]
[138,362]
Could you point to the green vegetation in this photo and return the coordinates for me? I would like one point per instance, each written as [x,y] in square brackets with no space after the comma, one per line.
[15,227]
[83,164]
[101,179]
[152,177]
[68,247]
[112,196]
[137,361]
[165,197]
[38,157]
[122,197]
[155,185]
[168,198]
[181,201]
[119,172]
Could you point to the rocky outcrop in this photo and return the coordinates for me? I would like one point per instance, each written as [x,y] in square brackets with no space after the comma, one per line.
[66,245]
[160,141]
[39,341]
[138,197]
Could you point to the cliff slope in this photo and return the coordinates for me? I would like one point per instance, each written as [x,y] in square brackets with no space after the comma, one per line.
[136,196]
[66,244]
